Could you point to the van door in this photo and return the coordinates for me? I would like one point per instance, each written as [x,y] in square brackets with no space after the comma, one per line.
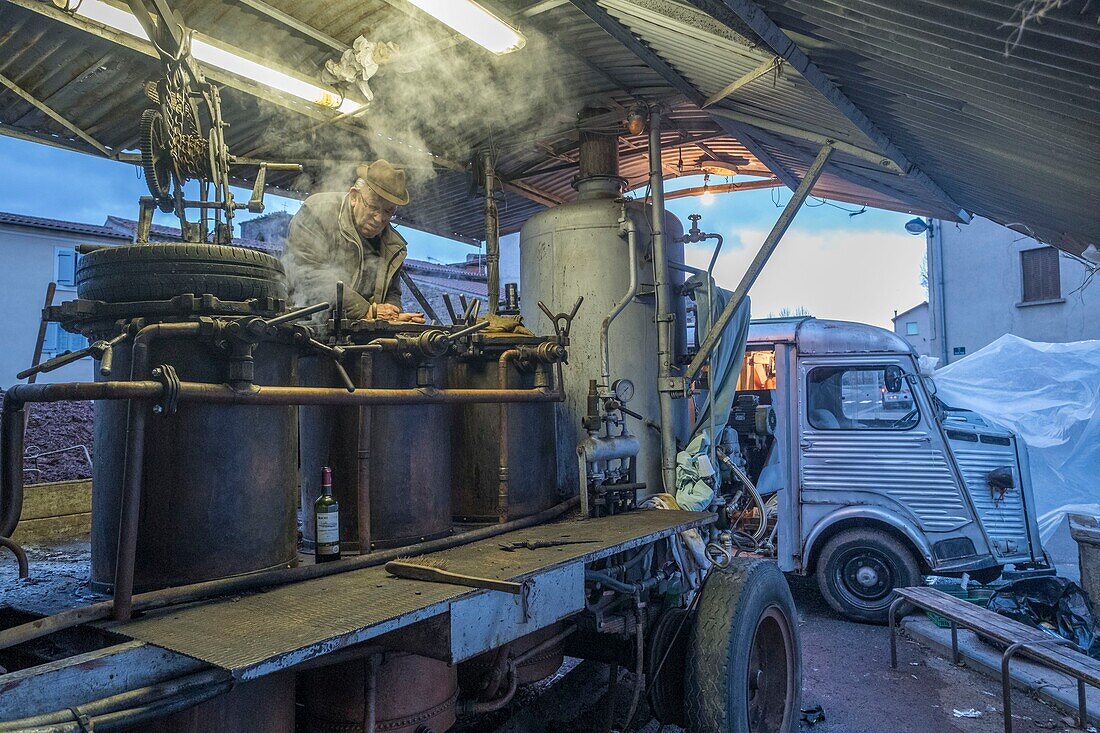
[873,452]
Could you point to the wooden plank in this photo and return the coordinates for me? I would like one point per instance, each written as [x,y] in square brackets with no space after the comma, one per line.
[57,499]
[48,529]
[989,623]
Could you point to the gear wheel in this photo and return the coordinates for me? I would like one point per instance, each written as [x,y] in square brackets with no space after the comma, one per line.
[156,158]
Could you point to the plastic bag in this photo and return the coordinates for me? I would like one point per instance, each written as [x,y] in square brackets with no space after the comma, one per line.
[1049,395]
[1057,606]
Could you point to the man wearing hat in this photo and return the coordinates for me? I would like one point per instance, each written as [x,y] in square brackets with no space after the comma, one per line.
[348,237]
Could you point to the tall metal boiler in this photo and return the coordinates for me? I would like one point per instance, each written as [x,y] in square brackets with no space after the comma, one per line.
[579,249]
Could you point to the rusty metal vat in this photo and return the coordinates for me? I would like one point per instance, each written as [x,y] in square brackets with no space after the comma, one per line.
[219,487]
[479,436]
[394,454]
[404,693]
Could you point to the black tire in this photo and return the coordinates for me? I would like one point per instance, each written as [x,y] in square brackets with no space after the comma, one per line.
[744,660]
[858,570]
[162,271]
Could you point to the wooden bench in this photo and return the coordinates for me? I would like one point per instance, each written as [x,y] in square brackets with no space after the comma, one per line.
[1059,654]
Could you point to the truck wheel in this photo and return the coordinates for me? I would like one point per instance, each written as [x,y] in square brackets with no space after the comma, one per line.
[140,272]
[744,663]
[859,569]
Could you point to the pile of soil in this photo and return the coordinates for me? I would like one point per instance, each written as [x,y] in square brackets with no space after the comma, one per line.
[57,426]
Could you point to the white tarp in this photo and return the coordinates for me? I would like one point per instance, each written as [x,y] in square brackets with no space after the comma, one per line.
[1049,395]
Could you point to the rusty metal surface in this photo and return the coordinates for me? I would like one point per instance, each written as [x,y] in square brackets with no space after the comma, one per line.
[256,635]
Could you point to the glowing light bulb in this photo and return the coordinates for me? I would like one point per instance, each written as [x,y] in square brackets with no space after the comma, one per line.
[474,22]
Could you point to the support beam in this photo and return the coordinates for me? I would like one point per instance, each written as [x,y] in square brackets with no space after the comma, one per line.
[292,22]
[145,48]
[772,64]
[878,159]
[531,193]
[49,112]
[735,12]
[723,188]
[758,262]
[622,34]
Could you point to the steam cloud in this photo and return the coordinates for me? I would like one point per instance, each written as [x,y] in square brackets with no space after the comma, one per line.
[442,97]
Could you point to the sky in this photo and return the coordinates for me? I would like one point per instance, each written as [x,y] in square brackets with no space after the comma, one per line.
[831,263]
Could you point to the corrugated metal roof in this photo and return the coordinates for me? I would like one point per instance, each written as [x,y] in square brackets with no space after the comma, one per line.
[1014,138]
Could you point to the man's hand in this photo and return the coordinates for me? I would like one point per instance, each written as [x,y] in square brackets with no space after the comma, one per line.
[387,312]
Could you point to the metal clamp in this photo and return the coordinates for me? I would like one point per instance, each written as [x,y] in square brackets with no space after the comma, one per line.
[169,401]
[562,321]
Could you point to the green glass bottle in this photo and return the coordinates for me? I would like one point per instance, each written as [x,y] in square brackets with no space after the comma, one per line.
[326,512]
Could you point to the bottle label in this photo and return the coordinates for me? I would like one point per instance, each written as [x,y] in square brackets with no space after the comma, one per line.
[328,530]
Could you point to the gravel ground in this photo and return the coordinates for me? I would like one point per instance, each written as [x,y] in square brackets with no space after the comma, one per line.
[63,427]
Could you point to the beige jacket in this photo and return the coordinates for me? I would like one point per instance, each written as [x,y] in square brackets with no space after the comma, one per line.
[323,246]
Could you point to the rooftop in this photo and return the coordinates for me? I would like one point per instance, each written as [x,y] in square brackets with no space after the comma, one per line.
[938,108]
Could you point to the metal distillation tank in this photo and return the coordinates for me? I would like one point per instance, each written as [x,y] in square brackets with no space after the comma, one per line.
[581,249]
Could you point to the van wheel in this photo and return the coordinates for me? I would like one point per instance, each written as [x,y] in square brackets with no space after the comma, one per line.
[744,663]
[859,569]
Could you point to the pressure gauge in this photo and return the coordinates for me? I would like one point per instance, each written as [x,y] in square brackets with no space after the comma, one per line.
[623,389]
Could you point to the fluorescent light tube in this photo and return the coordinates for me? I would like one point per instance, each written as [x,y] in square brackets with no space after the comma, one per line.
[474,22]
[221,58]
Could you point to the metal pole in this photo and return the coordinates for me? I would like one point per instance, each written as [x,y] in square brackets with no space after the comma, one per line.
[665,315]
[492,235]
[761,259]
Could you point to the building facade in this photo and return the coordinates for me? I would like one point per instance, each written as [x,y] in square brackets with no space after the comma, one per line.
[985,280]
[913,325]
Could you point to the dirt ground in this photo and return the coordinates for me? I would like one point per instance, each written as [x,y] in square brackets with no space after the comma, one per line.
[64,427]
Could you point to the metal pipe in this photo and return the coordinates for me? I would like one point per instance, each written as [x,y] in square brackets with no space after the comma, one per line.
[665,315]
[13,427]
[469,707]
[757,265]
[628,227]
[254,581]
[506,358]
[123,700]
[492,235]
[133,470]
[366,378]
[20,555]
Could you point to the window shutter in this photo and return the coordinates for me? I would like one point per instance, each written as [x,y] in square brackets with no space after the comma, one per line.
[1041,275]
[50,343]
[66,267]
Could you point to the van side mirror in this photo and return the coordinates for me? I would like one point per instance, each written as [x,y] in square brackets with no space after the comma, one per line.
[892,377]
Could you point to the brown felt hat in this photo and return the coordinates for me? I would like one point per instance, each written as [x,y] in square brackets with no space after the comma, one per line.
[385,180]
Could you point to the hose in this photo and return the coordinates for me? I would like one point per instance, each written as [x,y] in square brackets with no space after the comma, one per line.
[639,677]
[762,529]
[243,583]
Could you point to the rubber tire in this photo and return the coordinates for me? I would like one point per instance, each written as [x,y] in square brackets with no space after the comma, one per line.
[903,565]
[733,602]
[141,272]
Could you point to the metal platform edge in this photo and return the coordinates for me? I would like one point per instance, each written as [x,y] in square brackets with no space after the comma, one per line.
[440,599]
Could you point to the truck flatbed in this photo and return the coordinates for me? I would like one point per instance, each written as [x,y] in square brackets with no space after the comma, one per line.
[258,634]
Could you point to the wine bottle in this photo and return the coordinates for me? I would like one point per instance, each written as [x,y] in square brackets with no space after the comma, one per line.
[326,511]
